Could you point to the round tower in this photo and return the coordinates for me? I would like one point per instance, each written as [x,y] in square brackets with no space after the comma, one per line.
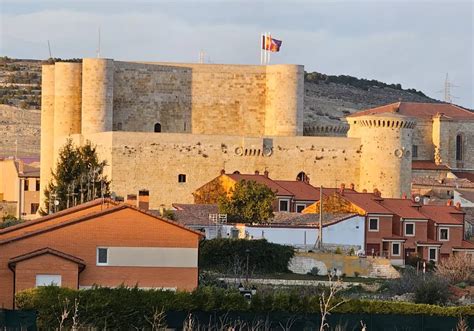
[386,143]
[97,95]
[47,126]
[284,100]
[67,101]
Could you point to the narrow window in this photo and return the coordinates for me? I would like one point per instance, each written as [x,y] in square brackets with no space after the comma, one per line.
[34,208]
[37,185]
[444,234]
[157,127]
[409,229]
[181,178]
[284,205]
[26,184]
[459,150]
[119,126]
[102,256]
[396,249]
[432,253]
[301,177]
[373,224]
[414,150]
[300,207]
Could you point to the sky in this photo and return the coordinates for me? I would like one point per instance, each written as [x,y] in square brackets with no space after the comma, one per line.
[411,42]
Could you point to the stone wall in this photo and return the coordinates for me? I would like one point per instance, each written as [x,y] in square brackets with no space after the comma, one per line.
[153,161]
[422,137]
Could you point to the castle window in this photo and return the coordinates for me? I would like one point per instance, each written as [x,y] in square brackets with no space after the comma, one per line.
[459,148]
[37,185]
[414,150]
[26,185]
[119,126]
[301,177]
[236,172]
[181,178]
[157,127]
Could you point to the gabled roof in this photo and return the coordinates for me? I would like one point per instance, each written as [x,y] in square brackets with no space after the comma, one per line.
[47,228]
[465,245]
[442,214]
[465,175]
[419,110]
[367,202]
[192,214]
[405,208]
[13,261]
[300,190]
[107,203]
[466,194]
[261,179]
[427,165]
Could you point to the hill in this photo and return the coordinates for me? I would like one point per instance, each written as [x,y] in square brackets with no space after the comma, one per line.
[327,100]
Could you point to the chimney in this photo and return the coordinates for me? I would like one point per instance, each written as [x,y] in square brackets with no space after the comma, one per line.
[449,203]
[143,199]
[257,172]
[265,173]
[458,205]
[20,167]
[131,199]
[342,188]
[352,187]
[222,172]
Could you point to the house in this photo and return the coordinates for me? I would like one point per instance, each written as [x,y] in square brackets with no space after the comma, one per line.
[399,228]
[466,199]
[19,188]
[291,195]
[101,242]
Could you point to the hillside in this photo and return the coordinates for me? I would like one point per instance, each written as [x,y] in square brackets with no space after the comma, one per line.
[327,99]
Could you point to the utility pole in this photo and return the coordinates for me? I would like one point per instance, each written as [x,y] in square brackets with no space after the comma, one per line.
[448,97]
[321,217]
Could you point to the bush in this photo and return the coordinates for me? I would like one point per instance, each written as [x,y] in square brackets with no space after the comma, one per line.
[455,269]
[338,250]
[314,271]
[432,291]
[230,256]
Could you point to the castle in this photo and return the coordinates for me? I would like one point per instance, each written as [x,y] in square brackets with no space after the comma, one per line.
[169,128]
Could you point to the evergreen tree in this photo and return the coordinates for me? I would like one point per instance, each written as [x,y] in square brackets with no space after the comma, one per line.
[249,202]
[78,178]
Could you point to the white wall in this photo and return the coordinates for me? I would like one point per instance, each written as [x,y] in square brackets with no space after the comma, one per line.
[464,202]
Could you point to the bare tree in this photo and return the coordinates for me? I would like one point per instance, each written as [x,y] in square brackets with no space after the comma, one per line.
[326,301]
[75,316]
[157,320]
[456,268]
[462,325]
[65,311]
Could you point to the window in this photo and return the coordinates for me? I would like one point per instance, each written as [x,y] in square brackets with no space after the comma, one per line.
[102,256]
[373,224]
[37,185]
[284,205]
[181,178]
[414,150]
[26,184]
[300,207]
[157,127]
[119,126]
[47,280]
[444,234]
[396,249]
[34,208]
[459,149]
[433,254]
[301,177]
[409,229]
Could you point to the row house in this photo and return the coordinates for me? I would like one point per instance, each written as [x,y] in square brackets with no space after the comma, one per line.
[399,228]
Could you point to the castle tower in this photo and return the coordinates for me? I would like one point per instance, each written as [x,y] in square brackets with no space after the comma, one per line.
[284,100]
[47,126]
[97,95]
[385,162]
[67,101]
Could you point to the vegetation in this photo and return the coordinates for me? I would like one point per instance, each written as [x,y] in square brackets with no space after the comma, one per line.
[78,177]
[455,269]
[230,256]
[249,202]
[9,220]
[362,83]
[127,308]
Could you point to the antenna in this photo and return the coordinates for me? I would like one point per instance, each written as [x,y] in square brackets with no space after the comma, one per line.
[202,54]
[49,48]
[98,46]
[448,97]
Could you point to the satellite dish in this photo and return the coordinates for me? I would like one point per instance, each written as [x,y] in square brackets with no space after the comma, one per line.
[417,198]
[56,202]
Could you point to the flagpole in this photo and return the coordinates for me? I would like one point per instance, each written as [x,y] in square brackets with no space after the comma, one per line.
[264,48]
[261,48]
[269,51]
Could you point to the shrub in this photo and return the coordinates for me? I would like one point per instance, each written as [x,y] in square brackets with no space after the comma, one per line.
[230,256]
[433,291]
[338,250]
[356,274]
[455,269]
[314,271]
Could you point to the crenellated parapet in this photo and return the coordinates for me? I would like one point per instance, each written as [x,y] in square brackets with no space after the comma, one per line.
[312,129]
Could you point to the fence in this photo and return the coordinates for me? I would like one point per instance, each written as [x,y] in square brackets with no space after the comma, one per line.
[18,320]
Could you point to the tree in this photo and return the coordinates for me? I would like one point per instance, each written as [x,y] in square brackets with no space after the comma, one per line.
[249,202]
[455,269]
[78,177]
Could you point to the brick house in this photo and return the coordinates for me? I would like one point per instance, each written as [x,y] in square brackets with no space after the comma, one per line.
[97,243]
[397,228]
[291,195]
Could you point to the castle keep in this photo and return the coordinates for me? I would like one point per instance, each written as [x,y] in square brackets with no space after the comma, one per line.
[170,128]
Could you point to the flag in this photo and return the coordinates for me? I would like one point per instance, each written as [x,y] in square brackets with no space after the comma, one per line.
[272,45]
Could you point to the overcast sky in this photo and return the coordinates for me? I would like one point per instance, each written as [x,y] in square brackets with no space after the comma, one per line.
[414,43]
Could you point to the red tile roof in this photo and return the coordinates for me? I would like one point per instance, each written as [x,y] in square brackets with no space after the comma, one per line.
[404,208]
[420,110]
[442,214]
[427,165]
[13,261]
[465,245]
[429,242]
[261,179]
[301,190]
[466,175]
[367,202]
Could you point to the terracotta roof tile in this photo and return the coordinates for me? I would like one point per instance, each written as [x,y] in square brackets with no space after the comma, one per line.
[367,202]
[261,179]
[465,244]
[404,208]
[427,165]
[465,175]
[13,261]
[300,190]
[419,110]
[442,214]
